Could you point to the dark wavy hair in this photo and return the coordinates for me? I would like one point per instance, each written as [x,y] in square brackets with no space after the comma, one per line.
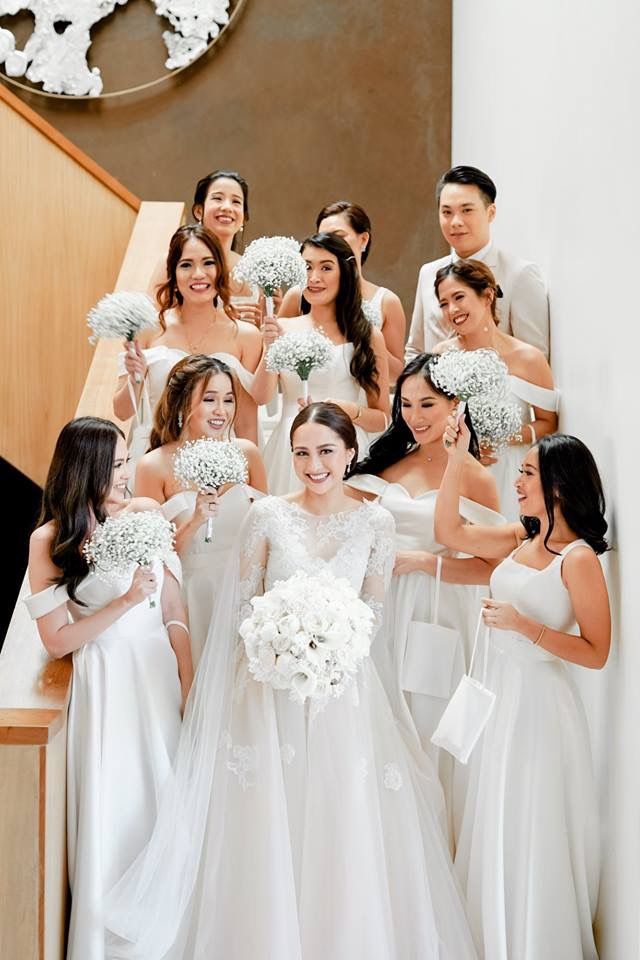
[571,482]
[185,378]
[352,323]
[332,416]
[473,274]
[357,218]
[78,482]
[397,440]
[202,189]
[168,295]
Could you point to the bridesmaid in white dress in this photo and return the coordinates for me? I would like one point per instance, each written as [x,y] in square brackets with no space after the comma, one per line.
[357,379]
[404,470]
[528,852]
[199,400]
[382,306]
[195,316]
[297,832]
[131,670]
[467,292]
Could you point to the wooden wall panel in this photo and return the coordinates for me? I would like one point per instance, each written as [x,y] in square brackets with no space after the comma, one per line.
[62,241]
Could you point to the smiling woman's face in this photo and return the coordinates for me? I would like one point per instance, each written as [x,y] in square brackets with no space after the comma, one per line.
[320,457]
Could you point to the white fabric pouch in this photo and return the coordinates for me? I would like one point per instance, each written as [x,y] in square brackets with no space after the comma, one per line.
[469,709]
[431,653]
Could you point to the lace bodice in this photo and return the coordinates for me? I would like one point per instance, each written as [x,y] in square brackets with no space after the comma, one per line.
[282,538]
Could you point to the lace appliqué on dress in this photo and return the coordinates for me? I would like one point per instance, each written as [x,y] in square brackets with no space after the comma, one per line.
[392,778]
[244,764]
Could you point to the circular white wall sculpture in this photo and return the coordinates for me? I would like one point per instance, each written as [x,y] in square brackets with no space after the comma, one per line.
[55,55]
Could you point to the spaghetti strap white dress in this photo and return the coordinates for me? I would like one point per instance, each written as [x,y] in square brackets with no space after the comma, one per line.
[528,851]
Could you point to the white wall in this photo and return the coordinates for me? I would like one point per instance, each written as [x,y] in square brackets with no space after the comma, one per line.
[546,99]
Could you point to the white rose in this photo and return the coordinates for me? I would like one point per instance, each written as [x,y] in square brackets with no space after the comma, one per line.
[267,658]
[267,632]
[285,664]
[289,625]
[281,643]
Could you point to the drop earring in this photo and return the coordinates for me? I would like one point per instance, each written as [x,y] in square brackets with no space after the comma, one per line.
[180,420]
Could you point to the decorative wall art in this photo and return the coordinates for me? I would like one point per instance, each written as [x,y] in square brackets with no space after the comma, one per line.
[55,55]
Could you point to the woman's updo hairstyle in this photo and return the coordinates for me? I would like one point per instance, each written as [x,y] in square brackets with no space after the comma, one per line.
[168,295]
[571,482]
[355,215]
[332,416]
[397,440]
[174,406]
[473,274]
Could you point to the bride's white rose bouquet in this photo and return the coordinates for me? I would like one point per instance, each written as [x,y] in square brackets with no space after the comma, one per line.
[209,463]
[271,263]
[300,351]
[480,379]
[130,538]
[121,316]
[308,635]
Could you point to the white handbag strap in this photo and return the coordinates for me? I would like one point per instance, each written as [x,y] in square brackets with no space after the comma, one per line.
[475,647]
[436,599]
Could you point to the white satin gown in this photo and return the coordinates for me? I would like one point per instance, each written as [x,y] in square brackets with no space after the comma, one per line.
[528,851]
[526,395]
[333,381]
[292,832]
[409,612]
[123,728]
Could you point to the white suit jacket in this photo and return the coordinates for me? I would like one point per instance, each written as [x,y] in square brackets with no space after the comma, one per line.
[523,308]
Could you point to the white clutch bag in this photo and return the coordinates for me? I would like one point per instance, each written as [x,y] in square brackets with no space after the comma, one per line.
[469,709]
[431,654]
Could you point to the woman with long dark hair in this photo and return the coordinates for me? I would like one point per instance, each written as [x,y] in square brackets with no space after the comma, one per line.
[131,669]
[469,296]
[404,470]
[382,306]
[199,400]
[357,379]
[196,316]
[301,831]
[527,853]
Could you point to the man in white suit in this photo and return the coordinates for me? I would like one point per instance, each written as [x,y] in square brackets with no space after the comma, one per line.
[466,208]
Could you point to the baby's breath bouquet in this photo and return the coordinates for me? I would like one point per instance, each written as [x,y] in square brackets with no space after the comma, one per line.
[271,263]
[308,635]
[130,538]
[300,351]
[199,464]
[121,316]
[480,380]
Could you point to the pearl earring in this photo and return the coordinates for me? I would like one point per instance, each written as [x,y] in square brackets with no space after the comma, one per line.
[180,421]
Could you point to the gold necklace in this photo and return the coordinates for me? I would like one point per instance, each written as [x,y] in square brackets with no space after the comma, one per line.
[195,348]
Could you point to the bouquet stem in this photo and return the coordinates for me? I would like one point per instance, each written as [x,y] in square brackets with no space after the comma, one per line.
[305,390]
[132,352]
[208,536]
[268,301]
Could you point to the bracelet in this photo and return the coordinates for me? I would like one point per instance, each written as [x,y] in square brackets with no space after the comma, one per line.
[533,433]
[178,623]
[357,416]
[539,637]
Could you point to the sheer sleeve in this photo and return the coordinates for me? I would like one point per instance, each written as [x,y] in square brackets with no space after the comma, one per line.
[253,557]
[380,564]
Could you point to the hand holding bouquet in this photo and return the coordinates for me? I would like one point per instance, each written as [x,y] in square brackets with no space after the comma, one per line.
[199,464]
[271,263]
[121,316]
[300,351]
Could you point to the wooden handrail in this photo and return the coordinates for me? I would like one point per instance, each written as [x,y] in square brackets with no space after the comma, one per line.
[69,148]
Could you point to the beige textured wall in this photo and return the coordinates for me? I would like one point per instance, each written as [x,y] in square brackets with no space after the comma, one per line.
[310,101]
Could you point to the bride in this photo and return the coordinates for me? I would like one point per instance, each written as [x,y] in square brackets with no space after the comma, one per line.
[296,832]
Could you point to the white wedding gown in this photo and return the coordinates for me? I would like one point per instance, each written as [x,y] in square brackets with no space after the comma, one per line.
[525,395]
[292,833]
[528,851]
[334,381]
[204,564]
[123,728]
[409,612]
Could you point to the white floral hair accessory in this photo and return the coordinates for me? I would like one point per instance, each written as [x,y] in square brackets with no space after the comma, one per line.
[130,538]
[300,351]
[308,635]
